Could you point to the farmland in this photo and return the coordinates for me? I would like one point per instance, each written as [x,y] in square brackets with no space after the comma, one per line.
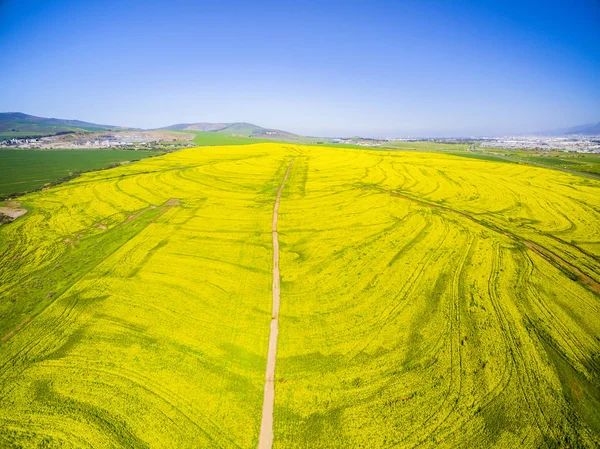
[203,138]
[25,170]
[420,315]
[587,164]
[427,300]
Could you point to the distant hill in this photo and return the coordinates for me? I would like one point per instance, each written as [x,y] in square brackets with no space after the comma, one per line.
[18,124]
[590,129]
[196,127]
[234,129]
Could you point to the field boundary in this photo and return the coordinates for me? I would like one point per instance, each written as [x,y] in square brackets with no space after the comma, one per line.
[265,439]
[76,173]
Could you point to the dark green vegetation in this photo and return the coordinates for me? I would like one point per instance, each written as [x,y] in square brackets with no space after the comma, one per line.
[16,125]
[27,170]
[573,162]
[585,163]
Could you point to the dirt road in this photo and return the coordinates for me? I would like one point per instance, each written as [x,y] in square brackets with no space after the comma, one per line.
[265,439]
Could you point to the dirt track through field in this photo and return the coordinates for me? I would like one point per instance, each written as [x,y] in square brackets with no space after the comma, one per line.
[265,439]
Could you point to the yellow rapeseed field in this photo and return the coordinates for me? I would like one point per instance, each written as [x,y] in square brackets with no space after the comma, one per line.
[427,300]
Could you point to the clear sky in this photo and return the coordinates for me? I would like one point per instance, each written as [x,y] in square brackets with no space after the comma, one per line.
[375,68]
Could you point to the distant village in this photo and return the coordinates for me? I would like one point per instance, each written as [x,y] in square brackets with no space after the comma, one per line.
[145,139]
[363,142]
[131,140]
[574,144]
[46,142]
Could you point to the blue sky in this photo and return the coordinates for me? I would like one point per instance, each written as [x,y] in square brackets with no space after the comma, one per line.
[375,68]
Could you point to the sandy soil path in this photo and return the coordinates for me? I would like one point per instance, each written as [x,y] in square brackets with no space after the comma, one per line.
[265,440]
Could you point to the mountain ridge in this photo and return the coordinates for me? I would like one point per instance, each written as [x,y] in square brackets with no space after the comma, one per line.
[588,129]
[19,124]
[244,129]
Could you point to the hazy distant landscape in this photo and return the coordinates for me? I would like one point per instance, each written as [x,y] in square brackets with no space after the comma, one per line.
[27,170]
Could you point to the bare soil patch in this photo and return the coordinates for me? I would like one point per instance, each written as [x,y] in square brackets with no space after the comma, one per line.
[8,214]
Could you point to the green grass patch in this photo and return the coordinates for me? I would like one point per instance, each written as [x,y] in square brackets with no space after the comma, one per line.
[575,162]
[27,170]
[483,157]
[206,138]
